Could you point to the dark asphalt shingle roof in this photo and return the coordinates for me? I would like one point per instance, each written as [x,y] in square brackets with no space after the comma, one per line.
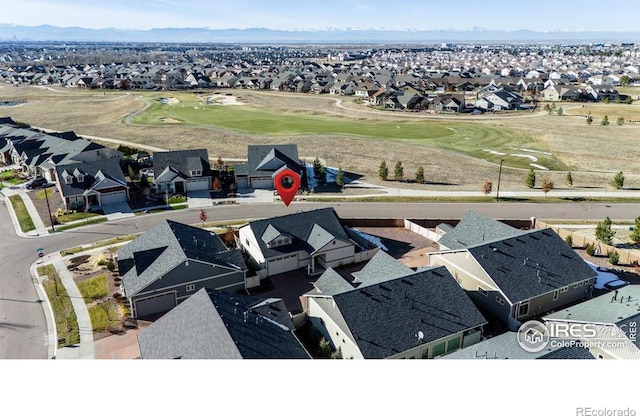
[183,161]
[385,318]
[218,325]
[307,230]
[569,353]
[112,176]
[263,160]
[531,264]
[166,245]
[475,229]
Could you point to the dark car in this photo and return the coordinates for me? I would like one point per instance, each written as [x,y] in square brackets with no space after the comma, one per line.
[35,183]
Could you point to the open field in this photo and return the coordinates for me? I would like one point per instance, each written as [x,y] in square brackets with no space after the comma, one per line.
[457,152]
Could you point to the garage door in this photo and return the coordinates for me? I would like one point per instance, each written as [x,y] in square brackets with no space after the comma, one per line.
[154,305]
[242,182]
[198,185]
[113,198]
[282,265]
[259,183]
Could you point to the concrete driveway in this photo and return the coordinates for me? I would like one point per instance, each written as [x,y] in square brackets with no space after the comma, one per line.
[199,199]
[117,211]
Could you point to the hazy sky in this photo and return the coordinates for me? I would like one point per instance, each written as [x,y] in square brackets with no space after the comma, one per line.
[541,15]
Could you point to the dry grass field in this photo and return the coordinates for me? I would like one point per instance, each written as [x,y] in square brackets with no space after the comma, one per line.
[591,152]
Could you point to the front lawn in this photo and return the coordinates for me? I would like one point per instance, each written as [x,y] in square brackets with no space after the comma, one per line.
[104,316]
[94,288]
[26,223]
[11,177]
[80,224]
[76,216]
[63,313]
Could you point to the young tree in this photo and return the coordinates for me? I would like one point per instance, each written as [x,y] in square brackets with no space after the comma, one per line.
[635,233]
[569,240]
[420,175]
[398,171]
[340,177]
[589,119]
[605,121]
[546,185]
[203,216]
[569,179]
[323,175]
[383,171]
[620,121]
[625,80]
[560,111]
[316,168]
[530,181]
[618,180]
[614,257]
[324,348]
[604,233]
[486,187]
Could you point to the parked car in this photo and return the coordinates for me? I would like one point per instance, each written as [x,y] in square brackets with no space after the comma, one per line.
[35,183]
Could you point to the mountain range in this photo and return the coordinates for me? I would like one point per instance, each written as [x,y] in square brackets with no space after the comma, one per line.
[10,32]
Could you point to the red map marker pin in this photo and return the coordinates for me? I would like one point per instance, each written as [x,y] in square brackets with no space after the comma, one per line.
[287,184]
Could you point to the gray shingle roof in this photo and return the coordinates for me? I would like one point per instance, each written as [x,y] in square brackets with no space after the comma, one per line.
[98,174]
[531,264]
[184,161]
[263,160]
[331,283]
[217,325]
[385,318]
[300,226]
[381,267]
[475,229]
[166,245]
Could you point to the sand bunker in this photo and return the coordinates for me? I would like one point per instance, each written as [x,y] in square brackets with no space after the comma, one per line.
[169,120]
[169,101]
[223,100]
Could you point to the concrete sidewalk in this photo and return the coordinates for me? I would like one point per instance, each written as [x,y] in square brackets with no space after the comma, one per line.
[85,349]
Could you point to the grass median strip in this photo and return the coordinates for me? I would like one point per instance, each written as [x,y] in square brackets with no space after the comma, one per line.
[24,219]
[104,243]
[64,315]
[80,224]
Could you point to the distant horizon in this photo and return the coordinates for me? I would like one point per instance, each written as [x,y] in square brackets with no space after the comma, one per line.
[546,16]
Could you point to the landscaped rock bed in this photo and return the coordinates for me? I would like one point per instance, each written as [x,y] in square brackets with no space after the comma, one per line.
[108,302]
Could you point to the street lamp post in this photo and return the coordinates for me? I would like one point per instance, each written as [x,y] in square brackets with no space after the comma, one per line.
[46,196]
[499,177]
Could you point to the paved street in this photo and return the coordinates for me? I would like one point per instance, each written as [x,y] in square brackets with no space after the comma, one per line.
[23,327]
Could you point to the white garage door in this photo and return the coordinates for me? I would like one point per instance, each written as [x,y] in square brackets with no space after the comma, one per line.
[113,198]
[198,185]
[157,304]
[259,183]
[282,265]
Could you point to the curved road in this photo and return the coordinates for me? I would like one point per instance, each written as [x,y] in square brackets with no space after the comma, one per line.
[23,328]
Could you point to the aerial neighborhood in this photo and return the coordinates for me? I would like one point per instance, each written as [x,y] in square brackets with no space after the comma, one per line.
[306,281]
[448,78]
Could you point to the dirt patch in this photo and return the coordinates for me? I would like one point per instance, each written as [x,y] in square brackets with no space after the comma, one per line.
[406,246]
[223,100]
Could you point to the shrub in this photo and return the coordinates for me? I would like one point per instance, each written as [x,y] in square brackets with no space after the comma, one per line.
[590,249]
[530,182]
[614,258]
[604,232]
[618,180]
[111,265]
[569,240]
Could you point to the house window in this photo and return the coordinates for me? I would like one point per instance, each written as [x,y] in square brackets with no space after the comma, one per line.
[246,242]
[438,349]
[481,290]
[425,353]
[564,289]
[453,345]
[196,173]
[582,283]
[191,288]
[80,178]
[68,180]
[555,295]
[499,300]
[524,309]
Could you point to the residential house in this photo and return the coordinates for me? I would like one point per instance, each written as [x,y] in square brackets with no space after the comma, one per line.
[217,325]
[520,277]
[392,311]
[614,317]
[472,230]
[310,240]
[91,185]
[264,162]
[171,261]
[182,171]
